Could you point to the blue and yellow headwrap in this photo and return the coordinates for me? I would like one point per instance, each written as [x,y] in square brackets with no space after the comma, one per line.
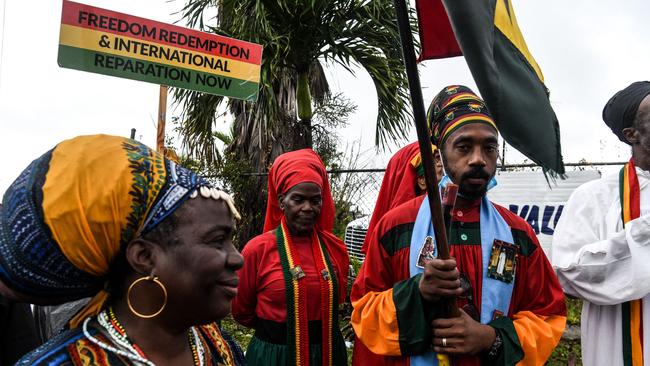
[66,217]
[454,107]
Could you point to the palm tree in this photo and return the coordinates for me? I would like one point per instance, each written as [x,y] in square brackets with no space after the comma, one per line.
[299,38]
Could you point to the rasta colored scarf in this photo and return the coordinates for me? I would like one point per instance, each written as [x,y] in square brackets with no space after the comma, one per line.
[630,195]
[296,293]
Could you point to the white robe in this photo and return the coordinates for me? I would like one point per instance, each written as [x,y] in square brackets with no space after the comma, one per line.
[601,262]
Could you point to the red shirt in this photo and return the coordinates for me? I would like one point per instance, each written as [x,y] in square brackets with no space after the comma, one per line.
[261,291]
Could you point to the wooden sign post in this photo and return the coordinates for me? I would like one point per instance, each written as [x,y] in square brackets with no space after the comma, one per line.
[162,117]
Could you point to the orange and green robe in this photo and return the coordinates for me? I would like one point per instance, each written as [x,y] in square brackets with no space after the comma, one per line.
[392,322]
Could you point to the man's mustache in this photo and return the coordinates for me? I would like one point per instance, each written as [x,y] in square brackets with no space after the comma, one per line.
[476,173]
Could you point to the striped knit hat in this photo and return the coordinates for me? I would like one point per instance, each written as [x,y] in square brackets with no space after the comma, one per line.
[454,107]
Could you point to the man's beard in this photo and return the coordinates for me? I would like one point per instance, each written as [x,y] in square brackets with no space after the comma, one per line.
[473,191]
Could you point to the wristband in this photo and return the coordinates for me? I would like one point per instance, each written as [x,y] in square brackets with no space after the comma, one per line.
[496,346]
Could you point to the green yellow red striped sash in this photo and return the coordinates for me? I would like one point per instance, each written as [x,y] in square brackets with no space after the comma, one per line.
[630,195]
[296,295]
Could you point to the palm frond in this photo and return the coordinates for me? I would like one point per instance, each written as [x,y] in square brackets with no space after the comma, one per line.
[299,35]
[196,124]
[371,40]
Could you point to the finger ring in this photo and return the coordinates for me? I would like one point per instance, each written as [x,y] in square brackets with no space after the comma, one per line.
[444,342]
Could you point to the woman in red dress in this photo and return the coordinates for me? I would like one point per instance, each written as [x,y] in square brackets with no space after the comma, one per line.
[295,273]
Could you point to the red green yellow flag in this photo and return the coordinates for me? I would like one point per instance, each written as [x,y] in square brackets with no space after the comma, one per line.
[507,75]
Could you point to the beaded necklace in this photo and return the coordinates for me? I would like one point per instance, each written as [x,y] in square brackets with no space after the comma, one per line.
[115,330]
[296,298]
[198,352]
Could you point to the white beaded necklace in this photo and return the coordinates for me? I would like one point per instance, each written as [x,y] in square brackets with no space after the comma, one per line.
[102,319]
[200,351]
[133,356]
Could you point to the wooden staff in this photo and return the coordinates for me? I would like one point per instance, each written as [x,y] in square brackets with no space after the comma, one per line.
[162,117]
[449,194]
[419,115]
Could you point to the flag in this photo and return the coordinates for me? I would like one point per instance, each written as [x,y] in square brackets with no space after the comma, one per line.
[507,75]
[438,41]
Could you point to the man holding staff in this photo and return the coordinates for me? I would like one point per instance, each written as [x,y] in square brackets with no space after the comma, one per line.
[515,315]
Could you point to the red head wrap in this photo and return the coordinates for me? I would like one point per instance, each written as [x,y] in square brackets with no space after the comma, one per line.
[397,187]
[303,166]
[292,168]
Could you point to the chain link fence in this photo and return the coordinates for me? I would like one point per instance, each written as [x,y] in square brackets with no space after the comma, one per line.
[355,192]
[359,188]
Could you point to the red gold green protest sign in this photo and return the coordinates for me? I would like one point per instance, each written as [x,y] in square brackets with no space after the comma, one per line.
[111,43]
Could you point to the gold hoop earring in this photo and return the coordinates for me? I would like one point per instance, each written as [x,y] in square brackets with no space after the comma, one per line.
[157,282]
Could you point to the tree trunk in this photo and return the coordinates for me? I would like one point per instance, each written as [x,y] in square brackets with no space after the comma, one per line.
[302,132]
[302,137]
[257,142]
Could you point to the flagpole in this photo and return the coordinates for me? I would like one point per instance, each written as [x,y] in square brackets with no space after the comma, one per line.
[423,137]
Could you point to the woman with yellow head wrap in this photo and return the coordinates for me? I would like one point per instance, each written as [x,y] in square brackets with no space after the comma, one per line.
[106,217]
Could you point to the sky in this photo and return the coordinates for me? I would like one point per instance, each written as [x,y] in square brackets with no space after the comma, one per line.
[587,50]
